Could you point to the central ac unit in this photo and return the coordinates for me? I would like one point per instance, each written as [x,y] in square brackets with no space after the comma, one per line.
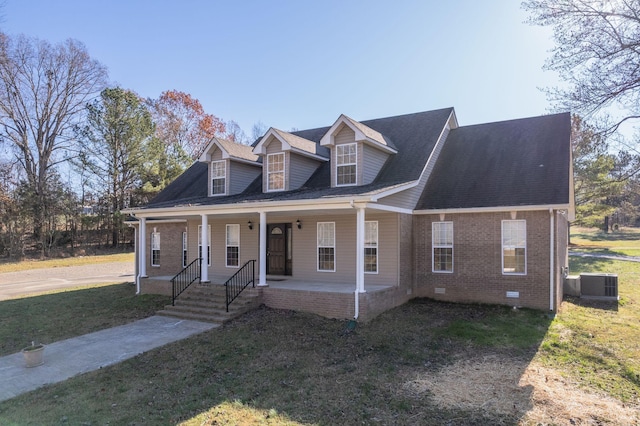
[599,286]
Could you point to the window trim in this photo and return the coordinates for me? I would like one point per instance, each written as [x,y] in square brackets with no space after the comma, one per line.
[185,249]
[503,246]
[370,246]
[208,243]
[269,173]
[155,248]
[227,246]
[318,246]
[435,246]
[224,163]
[355,164]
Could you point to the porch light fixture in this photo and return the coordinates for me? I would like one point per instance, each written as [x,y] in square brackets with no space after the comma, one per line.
[299,224]
[250,225]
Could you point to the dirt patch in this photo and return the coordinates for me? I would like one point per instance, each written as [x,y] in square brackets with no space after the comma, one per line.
[530,392]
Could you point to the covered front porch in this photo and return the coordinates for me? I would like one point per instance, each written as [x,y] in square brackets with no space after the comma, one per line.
[314,258]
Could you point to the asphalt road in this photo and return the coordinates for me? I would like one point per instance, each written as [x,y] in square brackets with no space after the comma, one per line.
[14,284]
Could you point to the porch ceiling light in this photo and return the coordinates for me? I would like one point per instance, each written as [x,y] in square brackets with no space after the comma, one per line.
[250,225]
[299,224]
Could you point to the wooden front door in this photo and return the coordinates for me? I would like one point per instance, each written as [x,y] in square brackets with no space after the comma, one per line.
[276,249]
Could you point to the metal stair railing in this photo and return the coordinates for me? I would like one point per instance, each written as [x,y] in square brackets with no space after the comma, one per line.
[185,278]
[240,280]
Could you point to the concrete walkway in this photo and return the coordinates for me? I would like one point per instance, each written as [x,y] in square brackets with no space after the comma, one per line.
[34,281]
[605,256]
[82,354]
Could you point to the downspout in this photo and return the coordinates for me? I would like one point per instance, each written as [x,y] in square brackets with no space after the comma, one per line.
[357,305]
[135,260]
[356,298]
[551,260]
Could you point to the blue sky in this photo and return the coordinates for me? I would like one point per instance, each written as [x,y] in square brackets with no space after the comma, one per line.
[300,64]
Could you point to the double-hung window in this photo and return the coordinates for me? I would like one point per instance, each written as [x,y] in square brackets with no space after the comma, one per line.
[155,248]
[233,245]
[275,172]
[442,243]
[326,246]
[218,177]
[208,244]
[346,164]
[184,249]
[371,247]
[514,247]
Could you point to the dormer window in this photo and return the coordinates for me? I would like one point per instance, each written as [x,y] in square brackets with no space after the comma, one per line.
[218,177]
[346,164]
[275,172]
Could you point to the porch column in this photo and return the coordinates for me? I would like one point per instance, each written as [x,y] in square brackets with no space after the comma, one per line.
[360,250]
[262,279]
[143,248]
[204,237]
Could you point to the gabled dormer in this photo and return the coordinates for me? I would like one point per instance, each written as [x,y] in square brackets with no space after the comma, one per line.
[289,160]
[358,152]
[232,167]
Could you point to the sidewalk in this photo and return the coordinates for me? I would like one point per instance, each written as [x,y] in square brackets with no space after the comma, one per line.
[93,351]
[605,256]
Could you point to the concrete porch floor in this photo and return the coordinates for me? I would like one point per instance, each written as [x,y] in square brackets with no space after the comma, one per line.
[289,283]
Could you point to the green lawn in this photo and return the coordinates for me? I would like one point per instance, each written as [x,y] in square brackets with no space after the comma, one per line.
[58,316]
[422,363]
[598,344]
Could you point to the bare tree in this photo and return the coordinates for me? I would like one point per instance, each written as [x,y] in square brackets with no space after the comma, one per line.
[43,91]
[597,53]
[258,130]
[235,133]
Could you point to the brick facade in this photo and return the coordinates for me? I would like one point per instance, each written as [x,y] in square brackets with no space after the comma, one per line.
[477,266]
[170,248]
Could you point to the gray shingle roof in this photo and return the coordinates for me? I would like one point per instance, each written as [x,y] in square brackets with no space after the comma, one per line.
[509,163]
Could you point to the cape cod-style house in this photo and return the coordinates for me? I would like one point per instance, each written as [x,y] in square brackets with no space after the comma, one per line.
[353,219]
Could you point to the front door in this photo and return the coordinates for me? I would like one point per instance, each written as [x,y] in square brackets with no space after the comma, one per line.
[276,249]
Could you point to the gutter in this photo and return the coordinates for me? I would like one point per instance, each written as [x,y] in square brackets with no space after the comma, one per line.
[267,207]
[496,209]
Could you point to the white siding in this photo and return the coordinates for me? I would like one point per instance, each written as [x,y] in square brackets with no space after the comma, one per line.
[301,168]
[241,175]
[304,248]
[218,271]
[345,135]
[372,159]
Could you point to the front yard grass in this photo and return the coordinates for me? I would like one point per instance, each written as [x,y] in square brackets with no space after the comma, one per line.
[58,316]
[422,363]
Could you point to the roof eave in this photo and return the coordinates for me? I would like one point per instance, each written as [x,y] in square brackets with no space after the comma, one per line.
[492,209]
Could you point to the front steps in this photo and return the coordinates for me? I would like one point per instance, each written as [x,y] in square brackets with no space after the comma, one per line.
[206,302]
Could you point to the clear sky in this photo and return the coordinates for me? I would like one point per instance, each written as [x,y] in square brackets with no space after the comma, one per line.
[300,64]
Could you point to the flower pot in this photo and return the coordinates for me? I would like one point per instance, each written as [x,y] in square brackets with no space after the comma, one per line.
[33,355]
